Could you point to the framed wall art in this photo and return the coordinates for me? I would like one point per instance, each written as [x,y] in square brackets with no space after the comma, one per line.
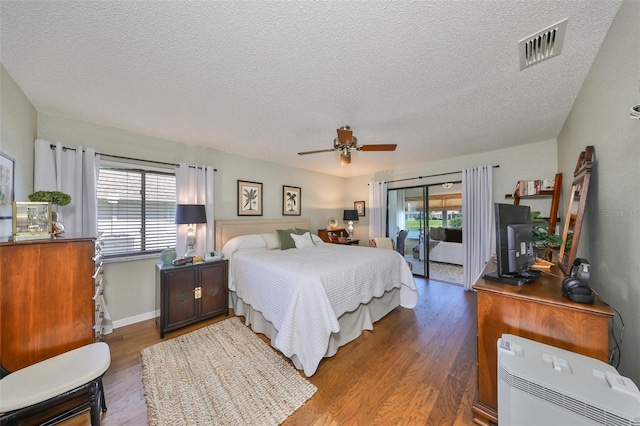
[7,172]
[359,205]
[249,198]
[291,200]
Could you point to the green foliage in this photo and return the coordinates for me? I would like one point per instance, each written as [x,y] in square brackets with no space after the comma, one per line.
[455,222]
[567,244]
[54,197]
[541,237]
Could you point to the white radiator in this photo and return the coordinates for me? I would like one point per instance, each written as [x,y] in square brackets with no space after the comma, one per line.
[540,384]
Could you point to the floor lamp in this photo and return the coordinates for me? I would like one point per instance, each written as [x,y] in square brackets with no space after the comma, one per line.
[190,215]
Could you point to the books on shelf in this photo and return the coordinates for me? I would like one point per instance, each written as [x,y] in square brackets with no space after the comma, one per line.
[533,187]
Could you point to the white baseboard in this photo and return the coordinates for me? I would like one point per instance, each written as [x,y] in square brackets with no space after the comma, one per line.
[135,319]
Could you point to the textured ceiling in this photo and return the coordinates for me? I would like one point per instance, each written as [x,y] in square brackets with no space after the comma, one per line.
[269,79]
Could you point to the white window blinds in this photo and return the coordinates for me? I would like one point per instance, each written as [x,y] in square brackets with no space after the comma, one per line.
[136,210]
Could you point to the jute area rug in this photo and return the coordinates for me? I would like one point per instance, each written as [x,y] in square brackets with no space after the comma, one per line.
[223,374]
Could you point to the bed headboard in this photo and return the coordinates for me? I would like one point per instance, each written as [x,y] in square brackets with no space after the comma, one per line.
[227,229]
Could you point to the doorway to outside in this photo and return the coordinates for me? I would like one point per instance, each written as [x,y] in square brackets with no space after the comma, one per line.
[432,217]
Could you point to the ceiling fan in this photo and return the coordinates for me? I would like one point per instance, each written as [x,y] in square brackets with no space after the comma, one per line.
[345,142]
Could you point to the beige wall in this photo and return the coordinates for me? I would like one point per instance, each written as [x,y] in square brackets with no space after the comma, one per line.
[600,117]
[17,131]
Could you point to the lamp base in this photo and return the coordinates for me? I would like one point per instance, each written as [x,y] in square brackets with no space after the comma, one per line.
[190,241]
[350,229]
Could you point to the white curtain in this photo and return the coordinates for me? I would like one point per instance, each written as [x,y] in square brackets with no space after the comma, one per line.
[194,185]
[72,171]
[377,209]
[478,235]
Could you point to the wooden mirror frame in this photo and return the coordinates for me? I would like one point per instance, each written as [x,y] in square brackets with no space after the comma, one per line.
[579,190]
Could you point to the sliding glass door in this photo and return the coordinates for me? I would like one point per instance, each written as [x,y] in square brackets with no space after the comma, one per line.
[431,215]
[407,212]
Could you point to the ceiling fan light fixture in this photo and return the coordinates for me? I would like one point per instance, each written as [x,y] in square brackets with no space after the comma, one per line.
[345,157]
[447,185]
[345,142]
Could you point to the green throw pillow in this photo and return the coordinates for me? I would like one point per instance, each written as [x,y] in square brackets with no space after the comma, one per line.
[286,242]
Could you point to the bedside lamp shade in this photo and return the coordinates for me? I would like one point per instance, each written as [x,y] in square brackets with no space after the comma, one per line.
[350,216]
[190,214]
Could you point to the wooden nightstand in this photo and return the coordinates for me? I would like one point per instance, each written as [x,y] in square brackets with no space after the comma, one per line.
[189,294]
[331,235]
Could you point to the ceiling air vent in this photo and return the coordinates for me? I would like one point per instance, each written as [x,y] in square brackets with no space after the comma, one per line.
[542,45]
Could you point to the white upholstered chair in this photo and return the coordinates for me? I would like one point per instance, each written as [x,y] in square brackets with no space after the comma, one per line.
[42,386]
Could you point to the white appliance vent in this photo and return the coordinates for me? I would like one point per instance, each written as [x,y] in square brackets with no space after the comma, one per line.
[542,46]
[583,409]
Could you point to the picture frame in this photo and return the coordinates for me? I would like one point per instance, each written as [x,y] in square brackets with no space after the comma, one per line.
[291,200]
[249,198]
[7,175]
[31,219]
[359,205]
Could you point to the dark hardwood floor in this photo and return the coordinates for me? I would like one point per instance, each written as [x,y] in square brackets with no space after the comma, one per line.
[417,367]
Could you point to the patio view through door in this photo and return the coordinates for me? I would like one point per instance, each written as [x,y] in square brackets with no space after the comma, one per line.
[420,209]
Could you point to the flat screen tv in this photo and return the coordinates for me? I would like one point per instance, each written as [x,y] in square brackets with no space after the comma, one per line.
[514,247]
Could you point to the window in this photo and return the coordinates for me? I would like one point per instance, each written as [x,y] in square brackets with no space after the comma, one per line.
[445,210]
[136,210]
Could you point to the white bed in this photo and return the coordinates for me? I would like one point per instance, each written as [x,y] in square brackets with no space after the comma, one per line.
[313,300]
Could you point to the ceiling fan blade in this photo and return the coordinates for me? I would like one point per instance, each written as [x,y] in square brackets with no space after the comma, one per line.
[316,152]
[345,159]
[380,147]
[344,135]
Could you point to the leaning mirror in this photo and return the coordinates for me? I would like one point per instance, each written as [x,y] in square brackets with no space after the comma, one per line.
[575,211]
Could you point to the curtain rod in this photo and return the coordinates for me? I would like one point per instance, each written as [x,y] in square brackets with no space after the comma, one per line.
[65,148]
[428,176]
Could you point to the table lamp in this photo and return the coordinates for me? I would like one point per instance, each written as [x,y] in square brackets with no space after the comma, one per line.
[350,216]
[190,214]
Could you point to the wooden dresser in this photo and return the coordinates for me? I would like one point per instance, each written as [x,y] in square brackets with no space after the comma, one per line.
[536,311]
[46,298]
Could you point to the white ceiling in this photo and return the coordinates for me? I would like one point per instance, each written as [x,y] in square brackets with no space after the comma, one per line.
[270,79]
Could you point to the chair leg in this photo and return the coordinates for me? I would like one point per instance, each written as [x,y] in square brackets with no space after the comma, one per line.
[94,403]
[103,399]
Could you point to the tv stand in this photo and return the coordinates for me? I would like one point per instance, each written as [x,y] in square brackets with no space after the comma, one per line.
[537,312]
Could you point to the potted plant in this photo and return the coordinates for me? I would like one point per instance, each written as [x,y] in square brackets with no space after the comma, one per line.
[543,241]
[57,198]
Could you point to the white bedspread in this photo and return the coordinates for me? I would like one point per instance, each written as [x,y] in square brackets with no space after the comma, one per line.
[303,292]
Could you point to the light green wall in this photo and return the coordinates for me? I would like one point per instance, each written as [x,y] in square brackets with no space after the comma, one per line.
[129,286]
[532,161]
[17,131]
[600,117]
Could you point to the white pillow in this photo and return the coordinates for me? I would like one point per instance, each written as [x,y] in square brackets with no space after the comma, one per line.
[272,241]
[302,241]
[243,242]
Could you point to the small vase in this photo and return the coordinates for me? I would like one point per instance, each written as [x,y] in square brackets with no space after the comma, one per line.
[168,255]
